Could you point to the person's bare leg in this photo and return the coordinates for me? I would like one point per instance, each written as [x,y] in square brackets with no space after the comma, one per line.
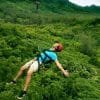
[26,66]
[19,73]
[33,68]
[28,78]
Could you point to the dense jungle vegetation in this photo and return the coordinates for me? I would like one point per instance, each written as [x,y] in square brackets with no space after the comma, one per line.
[24,28]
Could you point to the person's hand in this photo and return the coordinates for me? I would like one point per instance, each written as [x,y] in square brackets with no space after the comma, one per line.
[66,73]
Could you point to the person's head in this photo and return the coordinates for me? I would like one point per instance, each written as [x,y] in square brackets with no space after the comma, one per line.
[57,47]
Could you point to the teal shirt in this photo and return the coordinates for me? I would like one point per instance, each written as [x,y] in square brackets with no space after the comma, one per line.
[51,54]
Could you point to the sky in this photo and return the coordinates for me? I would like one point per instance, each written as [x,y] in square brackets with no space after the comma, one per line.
[86,2]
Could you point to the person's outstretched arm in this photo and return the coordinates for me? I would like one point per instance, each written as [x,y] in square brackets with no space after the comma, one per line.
[65,72]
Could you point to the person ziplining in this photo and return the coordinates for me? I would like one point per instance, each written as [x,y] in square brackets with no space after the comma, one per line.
[34,64]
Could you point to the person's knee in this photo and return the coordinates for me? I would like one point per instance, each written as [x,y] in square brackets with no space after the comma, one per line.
[22,68]
[29,73]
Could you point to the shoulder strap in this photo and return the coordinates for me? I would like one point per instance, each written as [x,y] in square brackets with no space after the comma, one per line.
[46,55]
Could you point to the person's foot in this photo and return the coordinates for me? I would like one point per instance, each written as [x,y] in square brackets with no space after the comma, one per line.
[21,95]
[12,82]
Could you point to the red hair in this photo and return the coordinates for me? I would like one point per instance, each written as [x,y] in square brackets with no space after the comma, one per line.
[59,48]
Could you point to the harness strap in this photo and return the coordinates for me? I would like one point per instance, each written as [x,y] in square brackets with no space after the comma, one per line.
[46,55]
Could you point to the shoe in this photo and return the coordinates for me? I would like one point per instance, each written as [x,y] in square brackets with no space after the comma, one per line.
[21,95]
[12,82]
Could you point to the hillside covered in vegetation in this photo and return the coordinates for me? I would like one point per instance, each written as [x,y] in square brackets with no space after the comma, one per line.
[22,29]
[48,11]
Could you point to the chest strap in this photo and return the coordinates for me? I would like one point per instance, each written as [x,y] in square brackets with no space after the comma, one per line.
[46,56]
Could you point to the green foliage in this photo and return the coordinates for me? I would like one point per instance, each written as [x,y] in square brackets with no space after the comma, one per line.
[18,44]
[24,12]
[87,45]
[78,32]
